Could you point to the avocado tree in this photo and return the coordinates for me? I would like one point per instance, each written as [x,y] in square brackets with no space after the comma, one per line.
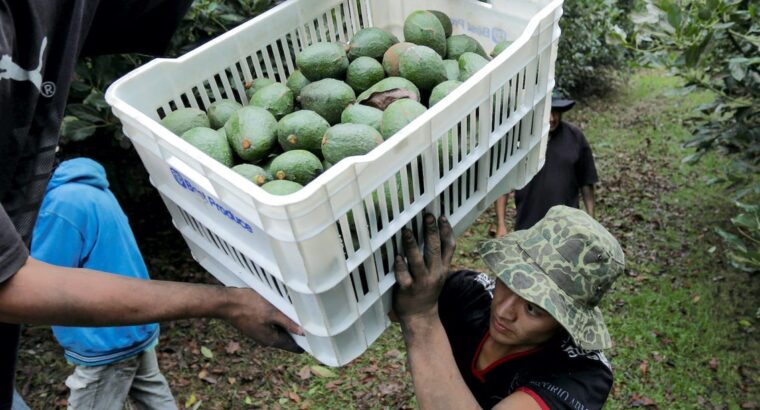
[715,45]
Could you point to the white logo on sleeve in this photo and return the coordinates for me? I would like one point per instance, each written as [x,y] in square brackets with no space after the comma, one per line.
[11,70]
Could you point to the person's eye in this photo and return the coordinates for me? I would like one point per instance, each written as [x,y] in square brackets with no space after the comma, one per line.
[533,310]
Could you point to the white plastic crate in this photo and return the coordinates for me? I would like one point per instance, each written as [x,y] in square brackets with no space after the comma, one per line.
[299,251]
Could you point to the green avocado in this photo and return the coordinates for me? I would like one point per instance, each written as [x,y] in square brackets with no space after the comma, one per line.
[256,85]
[323,60]
[297,165]
[275,98]
[220,111]
[185,119]
[398,115]
[253,173]
[210,142]
[499,47]
[441,90]
[391,56]
[297,81]
[422,66]
[251,131]
[346,140]
[469,63]
[389,83]
[461,43]
[363,73]
[328,98]
[423,28]
[362,114]
[370,42]
[302,130]
[281,187]
[452,69]
[445,21]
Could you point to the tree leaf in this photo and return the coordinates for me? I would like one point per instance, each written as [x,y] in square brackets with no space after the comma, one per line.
[692,158]
[75,129]
[206,352]
[97,99]
[85,112]
[737,68]
[746,221]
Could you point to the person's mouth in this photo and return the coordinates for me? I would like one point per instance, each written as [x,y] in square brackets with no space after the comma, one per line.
[500,327]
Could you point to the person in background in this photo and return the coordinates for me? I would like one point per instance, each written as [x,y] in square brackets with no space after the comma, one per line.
[81,225]
[568,171]
[532,338]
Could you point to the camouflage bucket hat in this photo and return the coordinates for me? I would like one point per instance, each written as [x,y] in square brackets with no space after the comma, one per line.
[565,264]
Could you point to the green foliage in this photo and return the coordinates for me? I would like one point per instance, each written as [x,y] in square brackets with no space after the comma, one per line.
[715,45]
[90,129]
[87,113]
[589,52]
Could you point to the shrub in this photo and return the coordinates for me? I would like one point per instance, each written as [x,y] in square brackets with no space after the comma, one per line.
[589,53]
[715,45]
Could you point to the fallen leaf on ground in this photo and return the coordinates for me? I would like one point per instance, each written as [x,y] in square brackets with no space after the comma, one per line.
[321,371]
[203,375]
[305,373]
[641,401]
[232,347]
[644,367]
[714,363]
[293,396]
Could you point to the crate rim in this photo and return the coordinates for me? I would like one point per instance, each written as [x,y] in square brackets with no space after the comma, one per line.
[355,162]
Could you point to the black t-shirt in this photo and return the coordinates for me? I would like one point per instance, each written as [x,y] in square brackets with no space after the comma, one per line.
[558,375]
[40,43]
[569,166]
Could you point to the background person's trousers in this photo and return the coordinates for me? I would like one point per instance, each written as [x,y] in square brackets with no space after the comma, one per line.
[108,387]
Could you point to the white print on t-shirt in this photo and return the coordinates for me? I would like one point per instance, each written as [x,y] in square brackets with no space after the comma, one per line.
[488,283]
[575,351]
[12,71]
[562,394]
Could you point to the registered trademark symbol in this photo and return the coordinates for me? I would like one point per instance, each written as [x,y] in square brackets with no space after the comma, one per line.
[48,89]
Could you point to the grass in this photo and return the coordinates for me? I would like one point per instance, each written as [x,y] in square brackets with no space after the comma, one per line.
[684,324]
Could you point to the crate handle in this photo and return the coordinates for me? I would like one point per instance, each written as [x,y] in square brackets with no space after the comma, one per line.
[191,174]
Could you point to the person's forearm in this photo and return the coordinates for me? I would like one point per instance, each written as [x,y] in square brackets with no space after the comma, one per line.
[437,381]
[501,206]
[587,192]
[45,294]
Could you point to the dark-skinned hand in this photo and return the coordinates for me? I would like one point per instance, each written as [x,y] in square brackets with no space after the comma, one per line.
[421,277]
[258,319]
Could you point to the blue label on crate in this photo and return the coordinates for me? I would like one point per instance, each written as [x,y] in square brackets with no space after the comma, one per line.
[496,34]
[209,200]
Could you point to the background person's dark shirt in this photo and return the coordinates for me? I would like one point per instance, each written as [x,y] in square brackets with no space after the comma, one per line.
[559,374]
[40,43]
[569,166]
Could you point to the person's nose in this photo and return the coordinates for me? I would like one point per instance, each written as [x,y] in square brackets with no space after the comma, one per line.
[507,308]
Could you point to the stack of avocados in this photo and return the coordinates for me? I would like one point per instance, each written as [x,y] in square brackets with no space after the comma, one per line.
[343,100]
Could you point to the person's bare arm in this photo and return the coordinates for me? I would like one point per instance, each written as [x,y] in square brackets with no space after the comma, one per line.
[501,205]
[45,294]
[587,192]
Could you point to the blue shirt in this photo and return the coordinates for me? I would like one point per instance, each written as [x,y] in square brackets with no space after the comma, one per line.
[81,225]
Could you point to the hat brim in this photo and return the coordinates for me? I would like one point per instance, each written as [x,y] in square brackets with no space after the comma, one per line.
[516,269]
[562,105]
